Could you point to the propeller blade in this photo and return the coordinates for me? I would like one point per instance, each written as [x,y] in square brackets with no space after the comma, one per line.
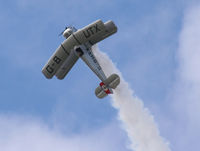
[63,31]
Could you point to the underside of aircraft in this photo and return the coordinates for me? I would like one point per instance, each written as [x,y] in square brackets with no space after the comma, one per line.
[78,44]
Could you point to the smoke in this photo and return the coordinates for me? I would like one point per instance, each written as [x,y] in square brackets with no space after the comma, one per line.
[137,120]
[186,92]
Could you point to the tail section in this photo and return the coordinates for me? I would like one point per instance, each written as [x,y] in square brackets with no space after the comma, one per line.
[106,86]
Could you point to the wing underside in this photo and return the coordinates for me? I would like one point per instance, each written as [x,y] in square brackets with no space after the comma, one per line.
[67,65]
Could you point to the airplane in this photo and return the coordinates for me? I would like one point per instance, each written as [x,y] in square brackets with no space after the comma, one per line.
[78,44]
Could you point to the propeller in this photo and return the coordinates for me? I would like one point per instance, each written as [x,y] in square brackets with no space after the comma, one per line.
[63,31]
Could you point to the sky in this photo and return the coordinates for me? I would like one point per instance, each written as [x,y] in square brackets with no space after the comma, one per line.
[156,48]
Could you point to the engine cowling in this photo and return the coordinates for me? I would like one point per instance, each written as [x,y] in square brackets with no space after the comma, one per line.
[67,32]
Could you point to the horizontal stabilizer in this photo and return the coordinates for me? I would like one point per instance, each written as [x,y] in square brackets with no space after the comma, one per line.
[113,81]
[99,92]
[106,87]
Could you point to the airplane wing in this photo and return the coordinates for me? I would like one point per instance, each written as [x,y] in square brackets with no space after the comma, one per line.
[67,65]
[54,63]
[60,63]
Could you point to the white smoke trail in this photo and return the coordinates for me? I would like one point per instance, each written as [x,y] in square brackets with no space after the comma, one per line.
[137,121]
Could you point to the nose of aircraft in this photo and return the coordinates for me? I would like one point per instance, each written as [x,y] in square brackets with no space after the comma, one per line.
[67,33]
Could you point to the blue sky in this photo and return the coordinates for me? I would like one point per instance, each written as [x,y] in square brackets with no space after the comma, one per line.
[146,49]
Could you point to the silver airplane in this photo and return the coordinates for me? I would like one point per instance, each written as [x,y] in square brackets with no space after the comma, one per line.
[78,44]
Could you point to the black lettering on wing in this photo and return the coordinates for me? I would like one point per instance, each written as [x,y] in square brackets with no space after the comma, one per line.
[56,60]
[90,29]
[86,34]
[49,69]
[97,28]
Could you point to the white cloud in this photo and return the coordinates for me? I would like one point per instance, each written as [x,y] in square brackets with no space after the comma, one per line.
[22,134]
[188,78]
[185,101]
